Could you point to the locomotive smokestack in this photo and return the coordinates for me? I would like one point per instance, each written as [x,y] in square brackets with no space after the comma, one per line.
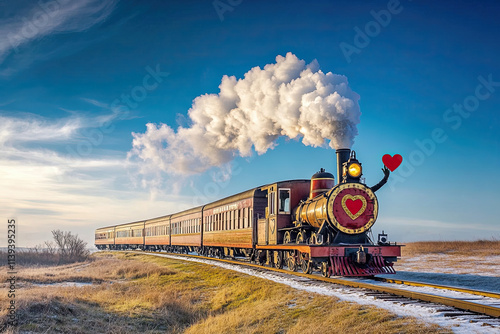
[342,156]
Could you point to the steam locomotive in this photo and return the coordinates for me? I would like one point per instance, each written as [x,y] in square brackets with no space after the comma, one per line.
[313,225]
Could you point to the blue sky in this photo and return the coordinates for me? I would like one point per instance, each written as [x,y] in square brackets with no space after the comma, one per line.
[419,67]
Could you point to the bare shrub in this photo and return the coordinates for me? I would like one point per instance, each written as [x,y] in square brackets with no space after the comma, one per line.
[66,248]
[71,247]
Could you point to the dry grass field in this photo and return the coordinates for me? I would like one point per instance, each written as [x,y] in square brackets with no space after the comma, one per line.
[134,293]
[459,257]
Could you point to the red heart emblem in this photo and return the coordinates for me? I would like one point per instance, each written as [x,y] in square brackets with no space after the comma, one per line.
[392,162]
[354,205]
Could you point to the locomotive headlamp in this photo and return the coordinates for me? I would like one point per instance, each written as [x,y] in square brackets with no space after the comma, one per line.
[354,169]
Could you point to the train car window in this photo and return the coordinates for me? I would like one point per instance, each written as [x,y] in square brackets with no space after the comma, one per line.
[245,217]
[237,219]
[250,218]
[284,200]
[272,203]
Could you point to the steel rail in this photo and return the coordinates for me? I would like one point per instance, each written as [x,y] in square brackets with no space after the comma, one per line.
[437,286]
[456,303]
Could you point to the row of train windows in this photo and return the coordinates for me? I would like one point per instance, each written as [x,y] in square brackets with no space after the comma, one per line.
[229,220]
[157,230]
[186,226]
[129,233]
[182,227]
[108,235]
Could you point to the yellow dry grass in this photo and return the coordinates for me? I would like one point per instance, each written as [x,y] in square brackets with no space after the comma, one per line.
[138,293]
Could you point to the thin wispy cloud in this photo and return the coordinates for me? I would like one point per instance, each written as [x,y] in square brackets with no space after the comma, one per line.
[41,19]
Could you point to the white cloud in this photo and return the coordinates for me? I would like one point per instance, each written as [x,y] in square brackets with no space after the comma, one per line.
[287,98]
[46,189]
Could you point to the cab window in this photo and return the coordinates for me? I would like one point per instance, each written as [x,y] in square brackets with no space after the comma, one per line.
[284,200]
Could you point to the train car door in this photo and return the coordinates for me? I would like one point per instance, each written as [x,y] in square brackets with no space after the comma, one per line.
[272,218]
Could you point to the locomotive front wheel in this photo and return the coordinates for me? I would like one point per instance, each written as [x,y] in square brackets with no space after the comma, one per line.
[325,271]
[305,264]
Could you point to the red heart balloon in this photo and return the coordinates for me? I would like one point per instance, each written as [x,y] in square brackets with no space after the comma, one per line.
[392,162]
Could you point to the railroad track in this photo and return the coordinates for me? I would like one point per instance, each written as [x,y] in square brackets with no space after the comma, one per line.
[462,306]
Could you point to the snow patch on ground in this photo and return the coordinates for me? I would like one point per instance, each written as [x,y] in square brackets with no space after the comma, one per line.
[427,314]
[451,264]
[63,284]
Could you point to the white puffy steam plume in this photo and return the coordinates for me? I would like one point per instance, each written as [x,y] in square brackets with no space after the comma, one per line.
[288,98]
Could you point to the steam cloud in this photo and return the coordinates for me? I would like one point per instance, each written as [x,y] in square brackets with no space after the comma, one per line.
[288,98]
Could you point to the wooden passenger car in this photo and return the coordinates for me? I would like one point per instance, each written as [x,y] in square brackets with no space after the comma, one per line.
[185,228]
[105,237]
[282,197]
[130,235]
[230,222]
[157,233]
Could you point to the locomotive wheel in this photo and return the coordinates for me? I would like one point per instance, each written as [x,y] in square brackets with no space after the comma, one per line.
[325,271]
[290,261]
[301,238]
[278,260]
[315,239]
[288,238]
[261,258]
[305,264]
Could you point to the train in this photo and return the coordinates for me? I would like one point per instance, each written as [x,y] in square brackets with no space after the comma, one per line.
[313,224]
